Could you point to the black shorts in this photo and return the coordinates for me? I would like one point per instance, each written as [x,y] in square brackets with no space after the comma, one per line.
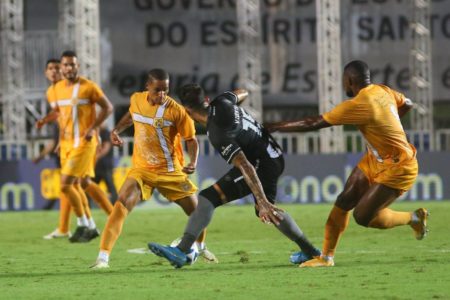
[269,170]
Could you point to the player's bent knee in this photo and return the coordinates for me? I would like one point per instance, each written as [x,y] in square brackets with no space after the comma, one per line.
[212,195]
[361,218]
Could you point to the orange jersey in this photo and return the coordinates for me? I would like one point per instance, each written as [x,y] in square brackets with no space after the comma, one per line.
[375,112]
[76,105]
[157,132]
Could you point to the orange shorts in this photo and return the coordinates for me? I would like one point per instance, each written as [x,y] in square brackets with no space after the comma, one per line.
[397,175]
[78,162]
[172,185]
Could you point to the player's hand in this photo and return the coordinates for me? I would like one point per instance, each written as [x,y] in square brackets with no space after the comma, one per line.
[36,160]
[189,168]
[58,146]
[39,123]
[269,213]
[89,134]
[115,139]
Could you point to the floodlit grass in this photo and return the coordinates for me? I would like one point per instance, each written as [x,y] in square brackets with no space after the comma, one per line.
[370,264]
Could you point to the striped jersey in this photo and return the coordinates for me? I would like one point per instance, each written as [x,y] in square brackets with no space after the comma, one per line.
[76,103]
[158,130]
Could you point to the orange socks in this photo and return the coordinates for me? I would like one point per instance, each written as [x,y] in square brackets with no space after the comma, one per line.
[388,218]
[113,227]
[84,201]
[336,224]
[96,193]
[64,214]
[71,193]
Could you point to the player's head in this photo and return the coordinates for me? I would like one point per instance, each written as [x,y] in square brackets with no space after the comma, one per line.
[356,76]
[69,65]
[193,99]
[157,85]
[52,70]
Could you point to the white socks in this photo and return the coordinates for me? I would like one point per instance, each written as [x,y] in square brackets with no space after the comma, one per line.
[83,221]
[103,255]
[91,224]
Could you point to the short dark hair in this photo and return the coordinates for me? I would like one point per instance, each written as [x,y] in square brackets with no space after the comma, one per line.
[52,61]
[158,74]
[191,95]
[358,71]
[69,53]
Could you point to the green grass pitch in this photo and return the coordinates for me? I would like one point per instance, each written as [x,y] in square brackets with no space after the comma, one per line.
[370,264]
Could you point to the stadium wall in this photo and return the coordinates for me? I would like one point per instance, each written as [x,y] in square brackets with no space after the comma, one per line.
[306,179]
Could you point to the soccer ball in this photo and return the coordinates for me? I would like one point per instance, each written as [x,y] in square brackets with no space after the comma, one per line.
[192,256]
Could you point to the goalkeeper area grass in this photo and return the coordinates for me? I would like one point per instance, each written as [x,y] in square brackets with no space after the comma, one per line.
[254,259]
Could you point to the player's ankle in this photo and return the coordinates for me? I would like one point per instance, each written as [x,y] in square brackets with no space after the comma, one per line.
[103,255]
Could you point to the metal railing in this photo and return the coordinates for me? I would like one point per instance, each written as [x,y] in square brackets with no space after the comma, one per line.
[292,143]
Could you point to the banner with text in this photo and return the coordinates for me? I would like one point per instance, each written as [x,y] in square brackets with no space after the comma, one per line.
[196,41]
[306,179]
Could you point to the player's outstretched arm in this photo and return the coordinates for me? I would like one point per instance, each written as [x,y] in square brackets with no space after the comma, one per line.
[242,95]
[267,211]
[123,124]
[405,108]
[192,150]
[306,124]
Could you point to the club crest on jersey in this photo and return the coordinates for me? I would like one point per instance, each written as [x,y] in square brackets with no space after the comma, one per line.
[158,122]
[74,101]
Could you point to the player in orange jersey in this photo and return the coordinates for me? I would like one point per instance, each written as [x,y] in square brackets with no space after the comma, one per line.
[388,168]
[53,75]
[73,101]
[159,122]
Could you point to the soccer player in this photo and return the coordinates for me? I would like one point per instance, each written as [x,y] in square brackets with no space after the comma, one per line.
[388,168]
[73,100]
[53,75]
[257,164]
[159,122]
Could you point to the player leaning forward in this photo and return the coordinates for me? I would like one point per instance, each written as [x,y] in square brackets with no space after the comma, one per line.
[388,168]
[257,164]
[158,121]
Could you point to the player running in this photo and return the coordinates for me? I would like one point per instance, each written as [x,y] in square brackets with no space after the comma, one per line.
[388,168]
[158,121]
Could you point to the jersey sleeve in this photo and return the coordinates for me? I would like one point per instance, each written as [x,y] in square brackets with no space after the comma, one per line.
[400,99]
[96,92]
[230,96]
[185,125]
[132,107]
[349,112]
[227,147]
[51,96]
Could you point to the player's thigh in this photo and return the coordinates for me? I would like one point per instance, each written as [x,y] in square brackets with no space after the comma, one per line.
[68,179]
[175,186]
[355,187]
[79,162]
[188,203]
[234,187]
[377,197]
[130,193]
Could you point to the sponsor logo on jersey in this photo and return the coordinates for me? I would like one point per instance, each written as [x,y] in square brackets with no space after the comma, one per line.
[226,150]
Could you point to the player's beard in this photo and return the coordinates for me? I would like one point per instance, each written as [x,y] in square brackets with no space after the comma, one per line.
[349,93]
